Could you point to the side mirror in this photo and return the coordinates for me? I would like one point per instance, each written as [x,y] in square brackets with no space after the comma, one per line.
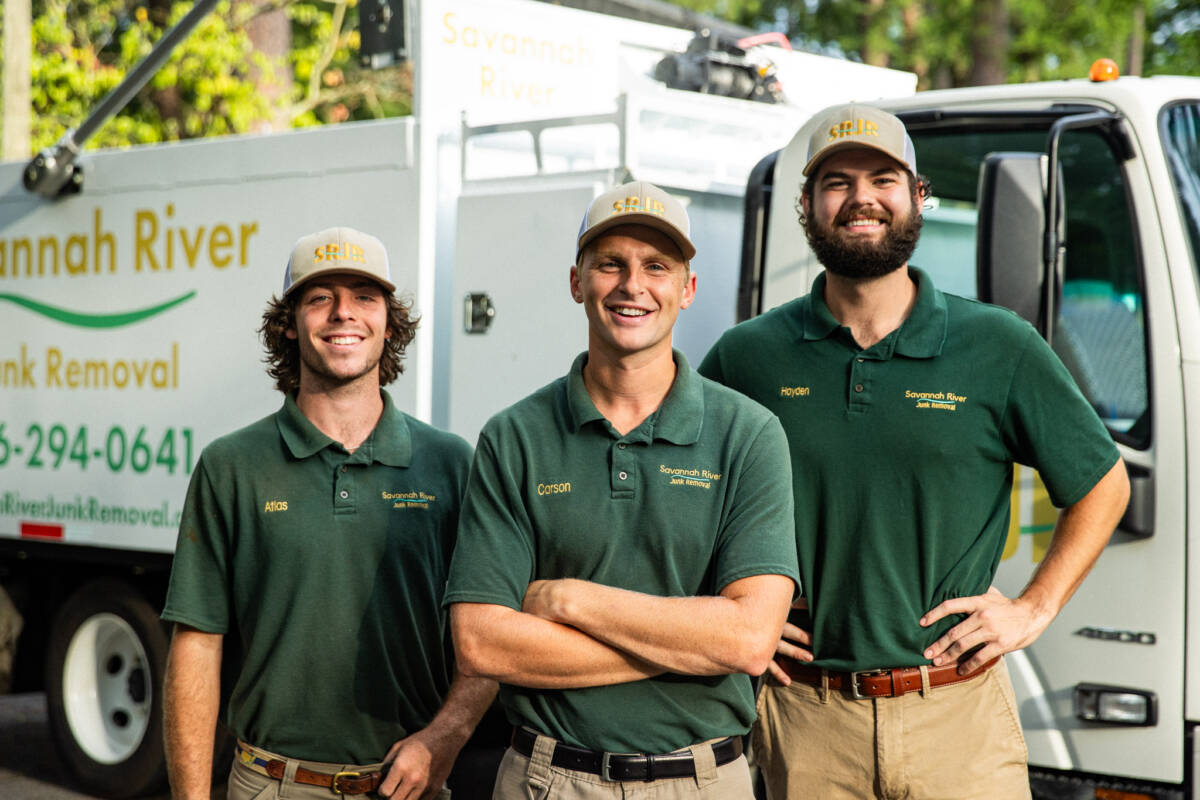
[1010,233]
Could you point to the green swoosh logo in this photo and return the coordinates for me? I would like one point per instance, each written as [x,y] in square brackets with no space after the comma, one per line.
[81,320]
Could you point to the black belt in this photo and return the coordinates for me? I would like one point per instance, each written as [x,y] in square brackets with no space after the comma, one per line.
[626,766]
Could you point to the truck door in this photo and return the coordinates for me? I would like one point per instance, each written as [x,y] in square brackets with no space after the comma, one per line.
[1114,327]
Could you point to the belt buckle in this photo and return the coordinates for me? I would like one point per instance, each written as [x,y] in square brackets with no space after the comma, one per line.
[606,764]
[855,692]
[333,783]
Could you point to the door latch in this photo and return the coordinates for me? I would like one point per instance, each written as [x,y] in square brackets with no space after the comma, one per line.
[478,312]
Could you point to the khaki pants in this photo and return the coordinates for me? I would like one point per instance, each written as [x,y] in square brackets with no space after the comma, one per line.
[956,742]
[246,783]
[533,778]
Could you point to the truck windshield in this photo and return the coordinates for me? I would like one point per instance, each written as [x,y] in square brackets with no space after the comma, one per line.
[1181,143]
[1100,328]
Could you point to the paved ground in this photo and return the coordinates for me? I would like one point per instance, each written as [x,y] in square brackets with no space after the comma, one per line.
[29,766]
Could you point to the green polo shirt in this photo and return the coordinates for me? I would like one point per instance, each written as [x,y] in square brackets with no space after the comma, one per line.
[902,456]
[694,498]
[324,569]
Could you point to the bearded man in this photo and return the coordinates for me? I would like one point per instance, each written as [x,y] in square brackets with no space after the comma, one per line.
[915,406]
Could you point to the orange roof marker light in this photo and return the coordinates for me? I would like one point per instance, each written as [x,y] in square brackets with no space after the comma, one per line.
[1104,69]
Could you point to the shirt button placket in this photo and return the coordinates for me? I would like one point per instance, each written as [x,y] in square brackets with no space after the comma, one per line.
[343,495]
[859,398]
[623,472]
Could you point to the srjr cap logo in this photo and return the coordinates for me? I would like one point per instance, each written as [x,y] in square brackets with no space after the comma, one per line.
[644,205]
[339,251]
[850,127]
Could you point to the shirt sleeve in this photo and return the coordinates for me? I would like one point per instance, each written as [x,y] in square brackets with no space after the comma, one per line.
[1050,426]
[494,559]
[710,365]
[198,593]
[759,535]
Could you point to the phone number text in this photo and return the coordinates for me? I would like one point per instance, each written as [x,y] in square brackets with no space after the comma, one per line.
[119,448]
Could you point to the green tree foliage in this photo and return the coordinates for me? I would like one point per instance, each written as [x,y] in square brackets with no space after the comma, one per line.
[211,84]
[330,84]
[84,49]
[1173,34]
[946,41]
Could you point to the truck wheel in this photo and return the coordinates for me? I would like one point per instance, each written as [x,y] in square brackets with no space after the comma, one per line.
[104,673]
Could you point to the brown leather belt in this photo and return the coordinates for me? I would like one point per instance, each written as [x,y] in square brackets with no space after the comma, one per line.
[871,683]
[627,766]
[336,782]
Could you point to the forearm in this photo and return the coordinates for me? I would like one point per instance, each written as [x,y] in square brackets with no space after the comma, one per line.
[1080,535]
[497,642]
[464,706]
[191,696]
[736,631]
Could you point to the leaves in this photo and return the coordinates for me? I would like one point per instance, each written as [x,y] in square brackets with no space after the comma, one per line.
[216,80]
[944,41]
[81,54]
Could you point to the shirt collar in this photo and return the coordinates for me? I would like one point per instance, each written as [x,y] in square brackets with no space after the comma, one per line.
[924,332]
[678,420]
[921,335]
[390,443]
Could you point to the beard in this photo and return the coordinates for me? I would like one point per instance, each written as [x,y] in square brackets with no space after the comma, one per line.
[862,259]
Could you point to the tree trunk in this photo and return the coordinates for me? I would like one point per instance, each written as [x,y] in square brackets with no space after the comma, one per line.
[873,26]
[989,43]
[271,34]
[1137,41]
[15,116]
[912,36]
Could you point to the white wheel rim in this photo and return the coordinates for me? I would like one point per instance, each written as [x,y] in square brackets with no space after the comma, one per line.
[106,689]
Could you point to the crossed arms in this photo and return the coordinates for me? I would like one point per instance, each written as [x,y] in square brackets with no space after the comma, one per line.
[573,633]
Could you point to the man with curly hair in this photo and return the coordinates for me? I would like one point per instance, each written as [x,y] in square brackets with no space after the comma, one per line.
[312,553]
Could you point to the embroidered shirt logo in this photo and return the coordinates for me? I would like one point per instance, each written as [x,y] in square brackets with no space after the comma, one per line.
[689,476]
[938,401]
[409,499]
[794,391]
[562,487]
[274,505]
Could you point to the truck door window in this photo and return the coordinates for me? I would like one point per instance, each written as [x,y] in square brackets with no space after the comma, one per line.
[1100,328]
[1181,143]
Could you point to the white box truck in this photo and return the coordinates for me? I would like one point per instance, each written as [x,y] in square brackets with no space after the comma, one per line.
[1077,204]
[129,309]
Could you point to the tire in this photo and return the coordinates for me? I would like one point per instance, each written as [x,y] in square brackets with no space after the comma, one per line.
[104,673]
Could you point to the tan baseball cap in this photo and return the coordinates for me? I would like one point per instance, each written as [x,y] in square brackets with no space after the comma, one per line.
[637,203]
[855,125]
[337,250]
